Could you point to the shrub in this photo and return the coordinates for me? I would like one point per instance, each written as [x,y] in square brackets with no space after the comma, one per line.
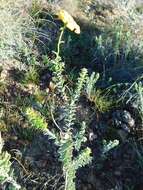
[67,141]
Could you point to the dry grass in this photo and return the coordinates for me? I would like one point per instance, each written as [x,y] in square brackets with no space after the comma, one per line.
[15,23]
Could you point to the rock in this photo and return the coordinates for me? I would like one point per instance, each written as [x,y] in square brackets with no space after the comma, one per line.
[92,136]
[122,119]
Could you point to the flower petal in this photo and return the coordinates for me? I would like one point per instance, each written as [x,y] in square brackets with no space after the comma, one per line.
[69,21]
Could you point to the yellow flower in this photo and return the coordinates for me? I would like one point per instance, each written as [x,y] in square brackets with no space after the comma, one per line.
[69,21]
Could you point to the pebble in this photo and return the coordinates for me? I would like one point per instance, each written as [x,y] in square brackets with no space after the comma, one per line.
[122,119]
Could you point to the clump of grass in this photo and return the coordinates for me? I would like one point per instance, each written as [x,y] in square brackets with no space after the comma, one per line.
[114,47]
[36,119]
[36,7]
[102,102]
[100,99]
[31,76]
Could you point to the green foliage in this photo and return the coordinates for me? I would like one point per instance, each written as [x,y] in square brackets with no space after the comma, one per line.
[66,153]
[91,83]
[67,141]
[4,166]
[139,90]
[57,67]
[109,145]
[83,159]
[70,107]
[70,163]
[100,99]
[5,169]
[136,96]
[114,46]
[38,122]
[31,76]
[80,137]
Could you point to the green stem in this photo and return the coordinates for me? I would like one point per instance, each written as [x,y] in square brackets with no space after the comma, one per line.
[66,181]
[60,41]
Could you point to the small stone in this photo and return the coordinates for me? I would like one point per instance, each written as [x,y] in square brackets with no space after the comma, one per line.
[92,136]
[122,119]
